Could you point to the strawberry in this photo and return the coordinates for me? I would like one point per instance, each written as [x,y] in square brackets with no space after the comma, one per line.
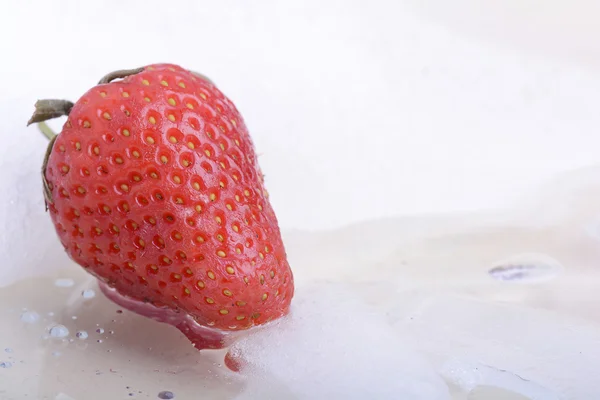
[154,188]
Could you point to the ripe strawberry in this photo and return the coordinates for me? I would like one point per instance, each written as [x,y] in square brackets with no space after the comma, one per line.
[154,188]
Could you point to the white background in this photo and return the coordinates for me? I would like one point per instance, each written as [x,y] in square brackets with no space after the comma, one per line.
[359,109]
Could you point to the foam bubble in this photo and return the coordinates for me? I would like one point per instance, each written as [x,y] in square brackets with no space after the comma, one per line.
[64,282]
[334,346]
[59,331]
[82,335]
[30,317]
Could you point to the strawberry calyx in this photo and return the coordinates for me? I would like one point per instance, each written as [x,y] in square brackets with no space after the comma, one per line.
[45,110]
[49,109]
[54,108]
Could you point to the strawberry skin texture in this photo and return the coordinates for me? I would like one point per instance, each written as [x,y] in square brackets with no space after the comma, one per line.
[157,192]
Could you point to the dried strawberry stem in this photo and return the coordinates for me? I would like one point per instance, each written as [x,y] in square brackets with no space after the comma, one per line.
[45,110]
[47,191]
[122,73]
[50,108]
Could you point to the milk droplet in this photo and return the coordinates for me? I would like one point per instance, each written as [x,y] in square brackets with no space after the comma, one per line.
[88,293]
[64,282]
[30,317]
[59,331]
[82,335]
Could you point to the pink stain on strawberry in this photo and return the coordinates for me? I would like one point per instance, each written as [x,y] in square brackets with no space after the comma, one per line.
[153,186]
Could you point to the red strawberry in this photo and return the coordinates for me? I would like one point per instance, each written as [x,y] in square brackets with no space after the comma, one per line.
[154,188]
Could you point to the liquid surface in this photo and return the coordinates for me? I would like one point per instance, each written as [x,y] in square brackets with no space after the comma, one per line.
[436,281]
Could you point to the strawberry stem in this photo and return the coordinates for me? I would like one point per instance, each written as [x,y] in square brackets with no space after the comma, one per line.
[46,130]
[122,73]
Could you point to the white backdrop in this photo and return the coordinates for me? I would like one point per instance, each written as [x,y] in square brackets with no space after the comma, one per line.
[359,109]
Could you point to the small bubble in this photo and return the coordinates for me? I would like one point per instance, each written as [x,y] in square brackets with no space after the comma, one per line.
[59,331]
[30,317]
[119,311]
[56,353]
[5,364]
[51,314]
[88,293]
[82,335]
[99,340]
[166,395]
[100,330]
[111,332]
[64,282]
[8,350]
[74,317]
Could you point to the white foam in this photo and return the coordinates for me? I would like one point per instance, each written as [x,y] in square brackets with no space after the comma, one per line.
[470,375]
[334,346]
[545,355]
